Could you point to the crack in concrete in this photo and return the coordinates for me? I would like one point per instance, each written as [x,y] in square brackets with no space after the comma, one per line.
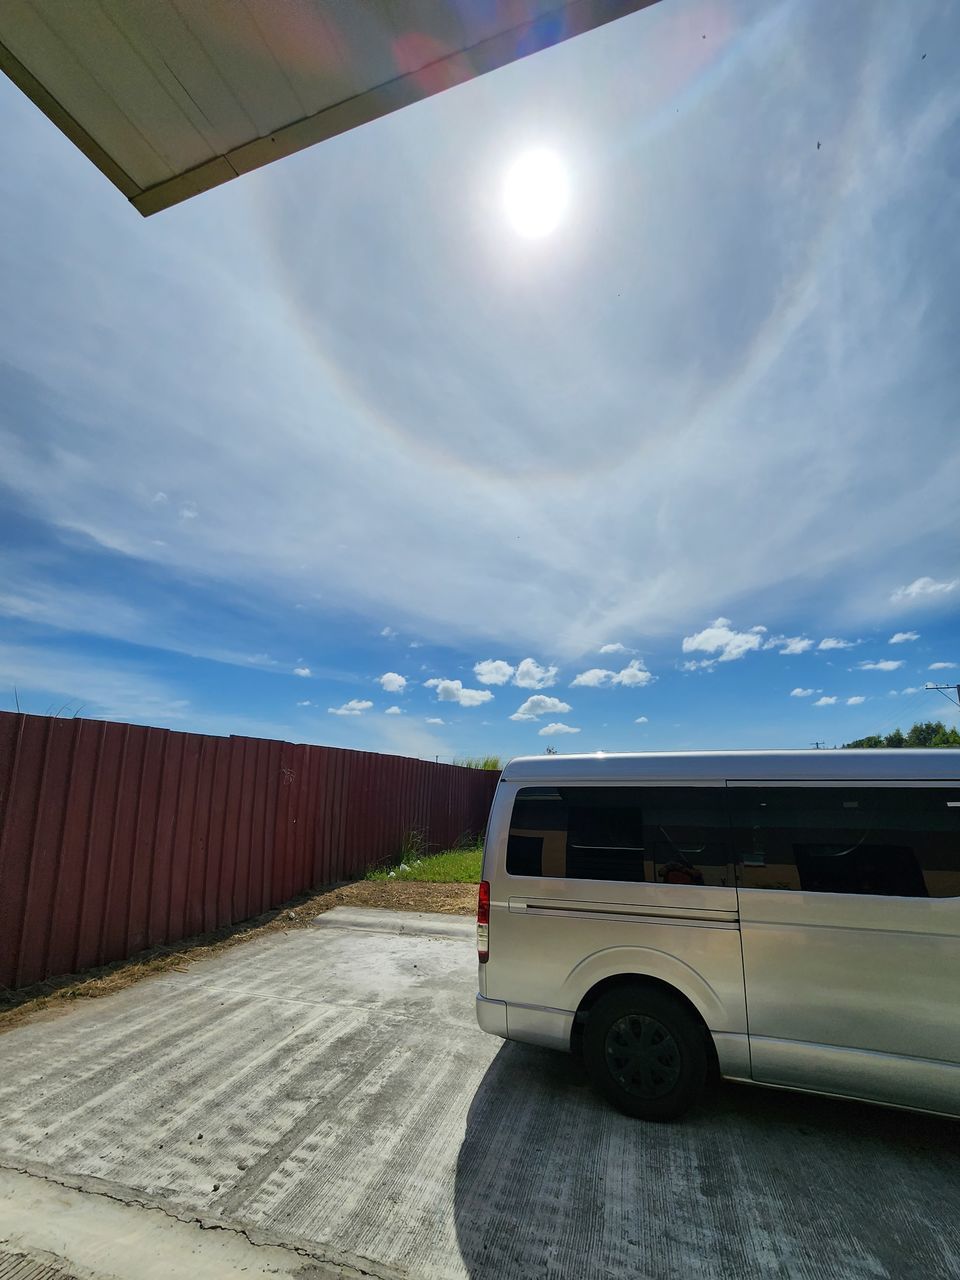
[81,1183]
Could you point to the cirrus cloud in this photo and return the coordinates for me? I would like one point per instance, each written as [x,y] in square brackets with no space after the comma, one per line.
[920,587]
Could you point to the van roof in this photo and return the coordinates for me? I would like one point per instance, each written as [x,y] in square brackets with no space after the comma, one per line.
[935,765]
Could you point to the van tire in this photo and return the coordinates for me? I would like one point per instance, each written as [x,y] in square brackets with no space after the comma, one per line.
[646,1052]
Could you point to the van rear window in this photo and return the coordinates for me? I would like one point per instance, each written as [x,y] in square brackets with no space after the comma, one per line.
[667,835]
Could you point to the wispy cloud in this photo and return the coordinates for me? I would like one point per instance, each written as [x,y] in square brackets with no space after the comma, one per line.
[615,647]
[883,664]
[903,637]
[795,645]
[832,642]
[856,700]
[920,588]
[941,666]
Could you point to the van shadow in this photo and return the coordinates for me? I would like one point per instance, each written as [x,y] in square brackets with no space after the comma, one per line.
[551,1182]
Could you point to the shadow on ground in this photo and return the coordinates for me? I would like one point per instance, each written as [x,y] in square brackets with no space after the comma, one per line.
[551,1182]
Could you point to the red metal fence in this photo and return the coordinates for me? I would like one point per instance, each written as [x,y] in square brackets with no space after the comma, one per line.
[115,837]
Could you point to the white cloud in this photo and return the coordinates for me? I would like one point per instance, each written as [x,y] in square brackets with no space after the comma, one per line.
[355,707]
[633,674]
[493,671]
[801,693]
[453,691]
[530,675]
[824,702]
[306,703]
[855,701]
[188,511]
[551,730]
[720,638]
[615,648]
[593,678]
[793,645]
[884,664]
[941,666]
[434,720]
[924,587]
[641,720]
[902,637]
[301,671]
[388,632]
[393,711]
[910,689]
[831,642]
[392,682]
[539,705]
[705,664]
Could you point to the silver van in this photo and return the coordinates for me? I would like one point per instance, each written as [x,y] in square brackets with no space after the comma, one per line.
[790,918]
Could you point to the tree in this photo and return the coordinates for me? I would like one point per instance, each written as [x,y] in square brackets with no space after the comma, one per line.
[925,733]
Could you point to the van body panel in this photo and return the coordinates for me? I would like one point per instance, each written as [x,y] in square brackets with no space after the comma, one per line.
[656,953]
[492,1016]
[809,971]
[550,1028]
[855,1073]
[855,972]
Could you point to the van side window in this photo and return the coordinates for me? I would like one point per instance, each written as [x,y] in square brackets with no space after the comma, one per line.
[666,835]
[898,841]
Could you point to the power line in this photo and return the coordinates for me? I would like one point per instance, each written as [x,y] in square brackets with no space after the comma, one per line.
[942,688]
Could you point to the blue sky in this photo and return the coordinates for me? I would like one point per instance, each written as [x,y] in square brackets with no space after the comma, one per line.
[337,422]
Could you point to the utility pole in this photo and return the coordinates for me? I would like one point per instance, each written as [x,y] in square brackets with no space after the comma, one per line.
[818,745]
[942,688]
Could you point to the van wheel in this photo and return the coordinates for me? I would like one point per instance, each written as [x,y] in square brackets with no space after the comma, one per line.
[645,1053]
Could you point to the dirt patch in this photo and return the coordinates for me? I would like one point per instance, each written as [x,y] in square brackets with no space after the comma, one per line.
[57,993]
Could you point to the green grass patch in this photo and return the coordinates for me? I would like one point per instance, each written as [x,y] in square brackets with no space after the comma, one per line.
[455,866]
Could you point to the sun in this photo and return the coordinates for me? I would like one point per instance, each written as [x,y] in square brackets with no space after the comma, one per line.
[536,192]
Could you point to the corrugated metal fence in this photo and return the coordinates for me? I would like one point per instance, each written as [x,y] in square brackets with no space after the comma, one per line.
[115,837]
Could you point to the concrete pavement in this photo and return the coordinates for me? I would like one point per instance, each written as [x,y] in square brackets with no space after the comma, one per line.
[325,1100]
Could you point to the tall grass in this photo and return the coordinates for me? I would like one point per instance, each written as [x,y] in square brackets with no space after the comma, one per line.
[480,762]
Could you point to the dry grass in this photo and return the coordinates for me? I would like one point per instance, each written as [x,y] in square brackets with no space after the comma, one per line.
[57,993]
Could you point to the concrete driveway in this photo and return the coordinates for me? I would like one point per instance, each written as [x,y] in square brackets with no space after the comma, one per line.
[326,1100]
